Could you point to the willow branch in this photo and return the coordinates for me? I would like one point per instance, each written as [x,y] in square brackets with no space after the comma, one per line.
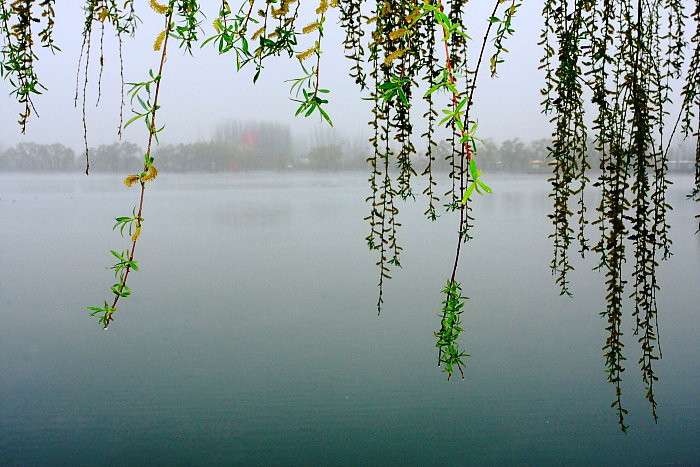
[151,134]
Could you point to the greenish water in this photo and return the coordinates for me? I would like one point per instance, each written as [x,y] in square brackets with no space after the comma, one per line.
[252,335]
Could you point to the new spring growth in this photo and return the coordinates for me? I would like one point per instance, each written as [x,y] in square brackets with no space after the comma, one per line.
[450,328]
[394,55]
[410,19]
[282,11]
[150,175]
[398,33]
[158,8]
[257,33]
[146,176]
[306,54]
[159,40]
[131,179]
[322,7]
[309,28]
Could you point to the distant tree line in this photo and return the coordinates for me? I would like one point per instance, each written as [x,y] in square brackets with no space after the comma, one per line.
[34,157]
[269,146]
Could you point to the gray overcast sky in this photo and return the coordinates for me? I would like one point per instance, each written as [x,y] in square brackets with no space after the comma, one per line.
[200,91]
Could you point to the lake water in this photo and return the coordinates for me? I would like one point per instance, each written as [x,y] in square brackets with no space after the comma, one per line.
[252,335]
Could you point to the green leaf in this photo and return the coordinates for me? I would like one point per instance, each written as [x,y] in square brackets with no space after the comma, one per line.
[484,186]
[143,104]
[434,88]
[402,96]
[118,255]
[448,117]
[452,88]
[325,115]
[132,120]
[473,169]
[468,193]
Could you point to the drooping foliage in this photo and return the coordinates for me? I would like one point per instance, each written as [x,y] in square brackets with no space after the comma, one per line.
[624,55]
[420,66]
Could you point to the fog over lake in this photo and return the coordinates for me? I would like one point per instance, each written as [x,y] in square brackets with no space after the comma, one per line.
[252,335]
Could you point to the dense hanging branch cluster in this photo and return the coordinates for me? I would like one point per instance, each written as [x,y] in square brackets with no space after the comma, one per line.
[624,54]
[417,54]
[18,52]
[417,63]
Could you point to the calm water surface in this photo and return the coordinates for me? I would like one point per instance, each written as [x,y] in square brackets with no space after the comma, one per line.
[252,335]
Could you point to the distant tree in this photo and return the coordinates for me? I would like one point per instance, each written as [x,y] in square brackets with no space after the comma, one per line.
[328,157]
[514,155]
[34,157]
[271,143]
[116,157]
[207,157]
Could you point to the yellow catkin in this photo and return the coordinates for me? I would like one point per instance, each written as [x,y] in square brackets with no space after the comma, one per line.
[158,8]
[413,16]
[103,14]
[131,179]
[137,232]
[216,26]
[257,33]
[322,7]
[272,35]
[310,28]
[398,33]
[306,54]
[159,40]
[334,3]
[152,173]
[281,11]
[371,20]
[390,58]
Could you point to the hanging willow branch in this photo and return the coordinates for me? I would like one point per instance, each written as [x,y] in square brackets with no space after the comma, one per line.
[18,55]
[625,55]
[126,262]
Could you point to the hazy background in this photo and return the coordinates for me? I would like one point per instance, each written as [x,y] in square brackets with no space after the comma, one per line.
[205,89]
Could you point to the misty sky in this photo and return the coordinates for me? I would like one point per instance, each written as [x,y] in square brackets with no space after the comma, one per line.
[200,91]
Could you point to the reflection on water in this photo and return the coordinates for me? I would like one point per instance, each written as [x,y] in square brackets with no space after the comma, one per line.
[251,336]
